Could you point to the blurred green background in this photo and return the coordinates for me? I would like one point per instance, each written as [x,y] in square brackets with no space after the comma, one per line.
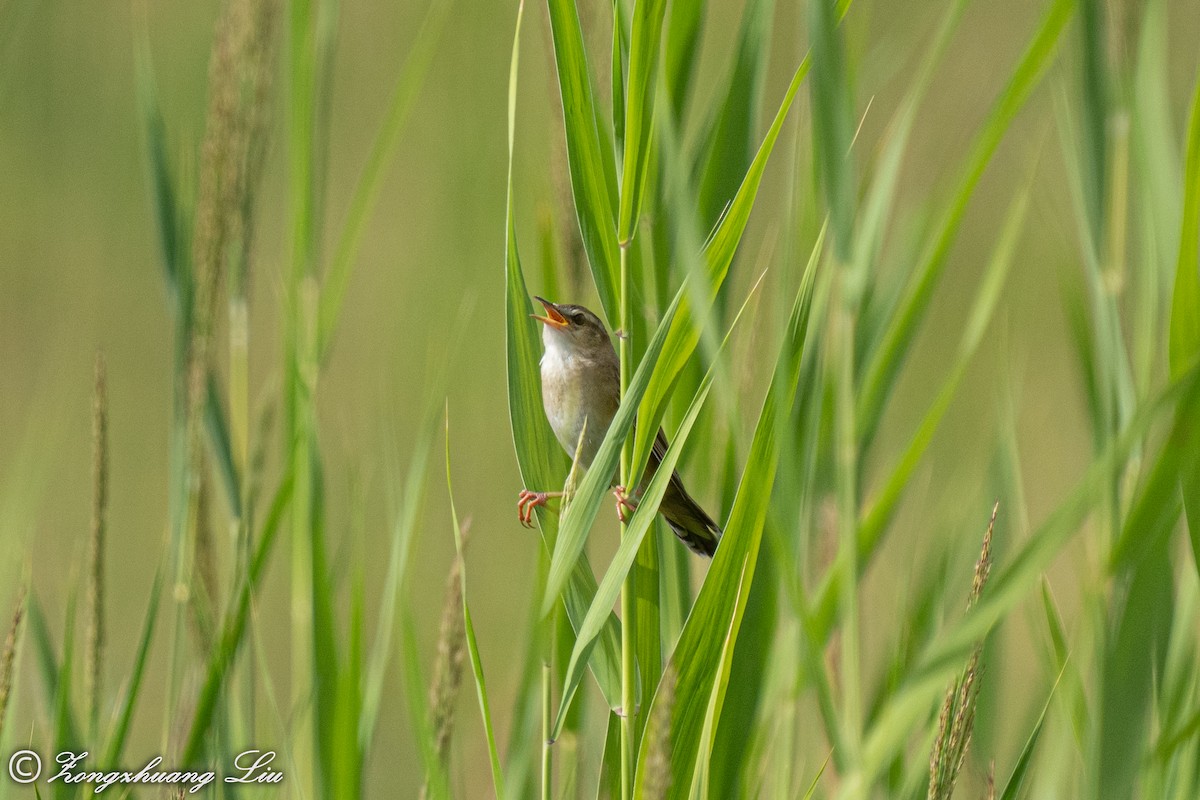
[80,272]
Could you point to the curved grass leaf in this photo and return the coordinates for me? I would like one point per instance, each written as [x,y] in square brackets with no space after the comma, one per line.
[698,659]
[469,627]
[874,522]
[680,49]
[926,682]
[534,443]
[1096,119]
[684,333]
[402,536]
[1185,310]
[644,45]
[366,190]
[731,136]
[52,675]
[234,626]
[129,698]
[885,362]
[1133,665]
[1012,788]
[832,107]
[641,522]
[591,165]
[579,515]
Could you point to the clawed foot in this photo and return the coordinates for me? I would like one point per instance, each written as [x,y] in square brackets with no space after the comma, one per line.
[527,501]
[625,504]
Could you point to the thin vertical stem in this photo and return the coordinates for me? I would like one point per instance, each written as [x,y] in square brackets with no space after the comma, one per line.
[547,774]
[847,506]
[628,676]
[299,385]
[549,642]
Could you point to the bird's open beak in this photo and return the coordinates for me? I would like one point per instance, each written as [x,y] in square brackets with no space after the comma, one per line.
[553,317]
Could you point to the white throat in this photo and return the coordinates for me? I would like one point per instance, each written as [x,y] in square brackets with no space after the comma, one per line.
[558,350]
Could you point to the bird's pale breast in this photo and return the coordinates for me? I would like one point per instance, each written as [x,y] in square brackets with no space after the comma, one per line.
[573,390]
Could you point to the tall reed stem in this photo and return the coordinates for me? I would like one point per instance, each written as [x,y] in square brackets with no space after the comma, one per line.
[846,449]
[547,776]
[628,668]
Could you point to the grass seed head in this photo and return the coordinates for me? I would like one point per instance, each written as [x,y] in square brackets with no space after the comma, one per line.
[448,669]
[8,656]
[94,654]
[956,722]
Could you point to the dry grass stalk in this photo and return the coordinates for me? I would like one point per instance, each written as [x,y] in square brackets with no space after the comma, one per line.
[95,621]
[448,669]
[230,162]
[234,143]
[956,722]
[8,656]
[658,759]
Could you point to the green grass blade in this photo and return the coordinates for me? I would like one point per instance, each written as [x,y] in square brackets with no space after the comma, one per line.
[328,671]
[534,443]
[1184,341]
[1076,700]
[65,730]
[620,57]
[578,516]
[538,651]
[1133,664]
[402,538]
[702,769]
[469,626]
[609,786]
[684,334]
[436,780]
[641,522]
[172,233]
[234,627]
[833,126]
[1095,92]
[366,191]
[124,716]
[875,520]
[886,360]
[731,137]
[52,675]
[697,657]
[879,201]
[221,447]
[926,681]
[591,166]
[683,25]
[1012,788]
[732,763]
[644,46]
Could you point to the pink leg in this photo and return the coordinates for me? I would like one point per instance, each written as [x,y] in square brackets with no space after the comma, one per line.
[625,504]
[527,501]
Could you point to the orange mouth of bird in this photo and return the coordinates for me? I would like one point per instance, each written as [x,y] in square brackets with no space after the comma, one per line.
[553,317]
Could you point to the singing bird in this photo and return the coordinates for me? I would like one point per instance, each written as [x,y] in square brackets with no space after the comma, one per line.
[581,389]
